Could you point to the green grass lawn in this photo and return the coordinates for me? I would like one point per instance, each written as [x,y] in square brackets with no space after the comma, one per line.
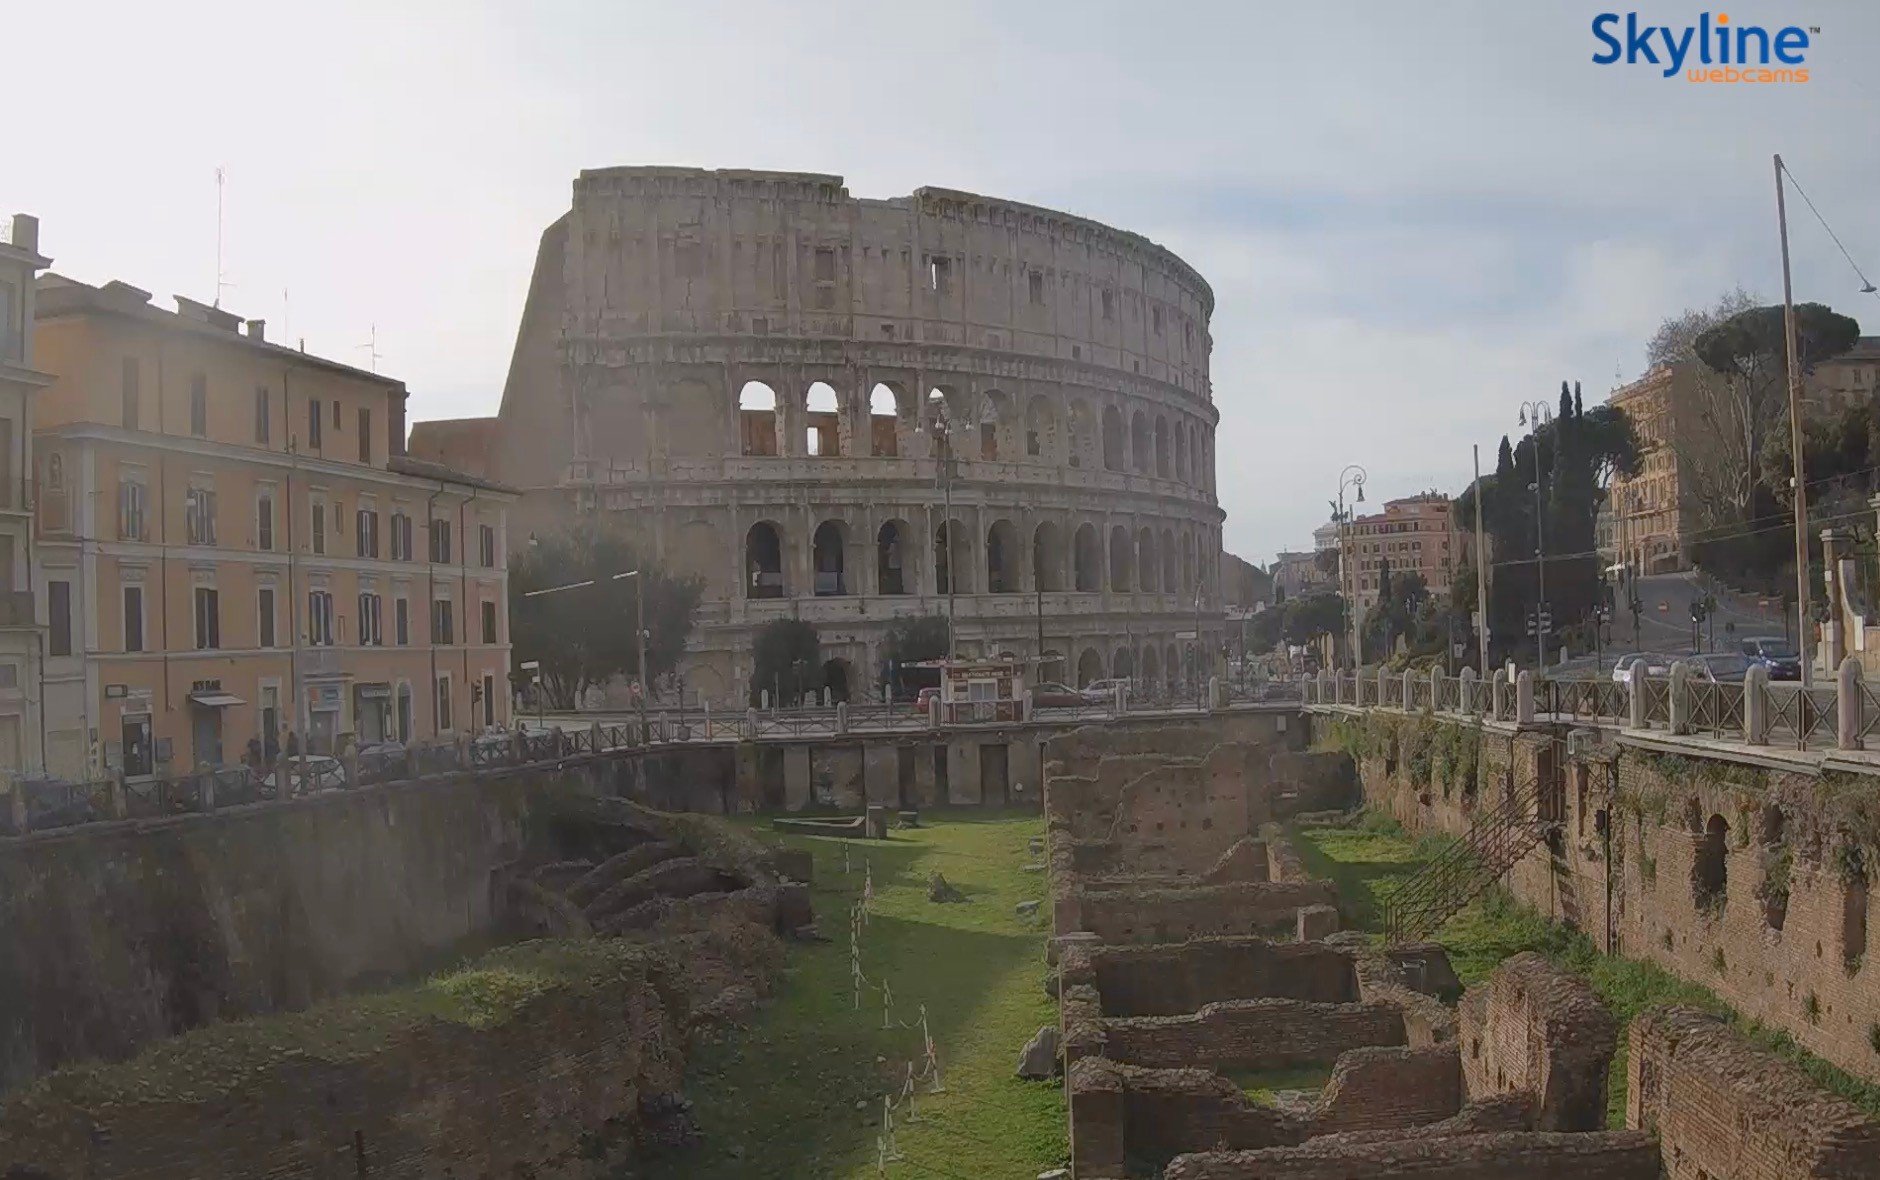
[1369,860]
[798,1093]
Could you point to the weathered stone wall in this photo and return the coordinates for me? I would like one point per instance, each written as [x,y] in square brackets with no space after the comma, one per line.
[1171,915]
[1261,1034]
[1121,1112]
[548,1059]
[1172,979]
[1379,1088]
[1618,1155]
[1720,1107]
[1532,1028]
[1751,879]
[116,935]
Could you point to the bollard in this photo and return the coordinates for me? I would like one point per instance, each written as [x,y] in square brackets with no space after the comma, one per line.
[1383,678]
[1117,704]
[1436,689]
[1524,697]
[750,724]
[1680,697]
[1338,689]
[933,712]
[349,764]
[1217,694]
[206,786]
[594,737]
[1636,690]
[1465,692]
[1409,682]
[1848,696]
[763,699]
[1756,705]
[1498,695]
[842,717]
[120,797]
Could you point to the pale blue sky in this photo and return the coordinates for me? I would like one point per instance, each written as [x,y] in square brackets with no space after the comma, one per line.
[1413,216]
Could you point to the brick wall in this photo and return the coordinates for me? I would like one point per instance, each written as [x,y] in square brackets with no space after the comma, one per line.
[1170,915]
[1722,1108]
[1378,1088]
[1617,1155]
[1174,979]
[1121,1112]
[1252,1034]
[1535,1029]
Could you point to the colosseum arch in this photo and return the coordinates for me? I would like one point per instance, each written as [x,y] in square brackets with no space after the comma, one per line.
[1188,565]
[1089,667]
[1002,558]
[759,423]
[1041,429]
[896,563]
[1113,457]
[945,421]
[1047,556]
[1122,563]
[1161,447]
[953,558]
[763,561]
[1148,566]
[1123,664]
[1171,563]
[886,406]
[1171,666]
[829,559]
[839,678]
[1087,560]
[1151,667]
[995,426]
[1139,444]
[822,429]
[1181,452]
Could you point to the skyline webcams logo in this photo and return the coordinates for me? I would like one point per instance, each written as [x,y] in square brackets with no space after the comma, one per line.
[1712,50]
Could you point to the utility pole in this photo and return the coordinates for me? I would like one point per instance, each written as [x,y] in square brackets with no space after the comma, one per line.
[1481,570]
[1795,439]
[1532,415]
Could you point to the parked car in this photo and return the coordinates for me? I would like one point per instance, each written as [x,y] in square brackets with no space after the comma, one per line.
[1722,668]
[1775,653]
[924,696]
[1102,692]
[1052,695]
[1649,664]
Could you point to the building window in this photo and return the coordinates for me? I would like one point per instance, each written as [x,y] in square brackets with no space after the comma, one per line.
[320,618]
[366,532]
[133,618]
[939,273]
[264,523]
[1037,288]
[133,520]
[1156,318]
[401,536]
[199,516]
[208,618]
[401,622]
[486,546]
[370,632]
[365,434]
[443,703]
[261,415]
[1109,305]
[264,608]
[440,541]
[319,526]
[489,622]
[59,618]
[336,414]
[128,410]
[199,406]
[443,629]
[313,423]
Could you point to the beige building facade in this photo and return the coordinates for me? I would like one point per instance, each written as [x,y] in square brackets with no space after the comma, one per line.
[22,609]
[852,411]
[245,548]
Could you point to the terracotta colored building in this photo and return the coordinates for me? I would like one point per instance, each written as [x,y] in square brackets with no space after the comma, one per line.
[22,613]
[1416,534]
[244,548]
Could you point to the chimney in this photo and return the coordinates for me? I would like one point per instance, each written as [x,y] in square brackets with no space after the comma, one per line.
[26,232]
[257,329]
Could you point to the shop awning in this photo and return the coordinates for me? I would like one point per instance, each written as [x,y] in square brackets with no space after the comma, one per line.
[214,700]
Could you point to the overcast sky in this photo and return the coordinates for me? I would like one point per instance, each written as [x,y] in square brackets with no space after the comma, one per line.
[1413,216]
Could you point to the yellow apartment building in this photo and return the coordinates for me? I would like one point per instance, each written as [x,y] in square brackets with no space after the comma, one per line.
[244,551]
[22,618]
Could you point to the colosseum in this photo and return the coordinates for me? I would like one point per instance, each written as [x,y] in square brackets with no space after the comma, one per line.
[850,411]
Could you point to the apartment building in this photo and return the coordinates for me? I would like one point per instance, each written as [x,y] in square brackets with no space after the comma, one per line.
[22,630]
[235,546]
[1416,534]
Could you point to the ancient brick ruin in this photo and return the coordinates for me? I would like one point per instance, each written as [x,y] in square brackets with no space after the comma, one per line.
[1194,954]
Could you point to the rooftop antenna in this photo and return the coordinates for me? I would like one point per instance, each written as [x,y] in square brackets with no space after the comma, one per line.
[221,280]
[371,348]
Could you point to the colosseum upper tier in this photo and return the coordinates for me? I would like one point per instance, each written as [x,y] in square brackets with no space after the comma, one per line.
[852,411]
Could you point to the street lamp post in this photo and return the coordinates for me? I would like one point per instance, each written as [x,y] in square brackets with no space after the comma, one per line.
[1353,477]
[1533,414]
[942,431]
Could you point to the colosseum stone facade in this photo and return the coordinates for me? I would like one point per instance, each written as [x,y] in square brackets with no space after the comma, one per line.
[782,388]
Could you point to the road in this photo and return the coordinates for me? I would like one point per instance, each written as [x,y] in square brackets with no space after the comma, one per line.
[1665,620]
